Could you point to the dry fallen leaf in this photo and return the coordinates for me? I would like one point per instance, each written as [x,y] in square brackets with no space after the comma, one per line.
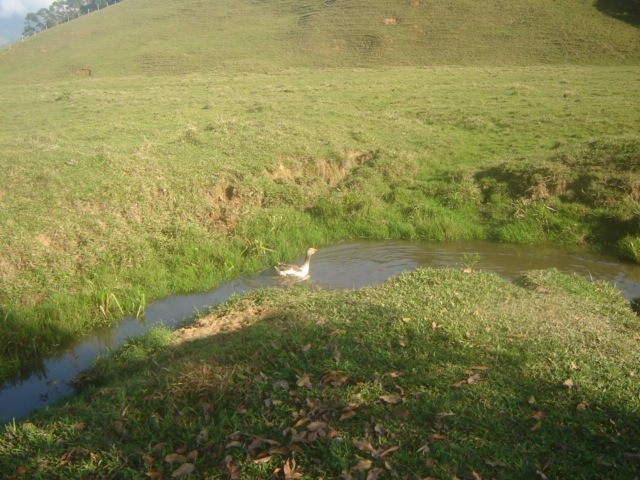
[182,470]
[385,451]
[436,436]
[406,319]
[306,348]
[536,426]
[363,445]
[494,463]
[479,367]
[582,406]
[232,470]
[261,460]
[539,415]
[154,474]
[569,384]
[392,399]
[363,466]
[347,415]
[374,474]
[313,426]
[473,378]
[304,381]
[175,457]
[233,444]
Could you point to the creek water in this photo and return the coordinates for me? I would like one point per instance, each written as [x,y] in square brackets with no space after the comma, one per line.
[347,266]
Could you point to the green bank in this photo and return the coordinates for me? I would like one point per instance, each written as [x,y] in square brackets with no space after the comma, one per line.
[434,374]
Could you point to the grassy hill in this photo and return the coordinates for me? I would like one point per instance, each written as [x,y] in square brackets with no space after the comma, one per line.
[139,37]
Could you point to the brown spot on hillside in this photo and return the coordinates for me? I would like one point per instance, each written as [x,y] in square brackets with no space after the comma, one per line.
[82,72]
[7,270]
[305,171]
[390,21]
[225,205]
[214,324]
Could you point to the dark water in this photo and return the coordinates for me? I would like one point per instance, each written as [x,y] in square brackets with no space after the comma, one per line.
[345,266]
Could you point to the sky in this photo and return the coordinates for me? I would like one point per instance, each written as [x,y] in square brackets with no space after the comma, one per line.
[12,13]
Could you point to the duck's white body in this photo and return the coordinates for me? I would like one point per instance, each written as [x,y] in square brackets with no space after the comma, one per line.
[288,270]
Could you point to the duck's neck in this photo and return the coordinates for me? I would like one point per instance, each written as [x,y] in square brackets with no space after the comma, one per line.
[307,260]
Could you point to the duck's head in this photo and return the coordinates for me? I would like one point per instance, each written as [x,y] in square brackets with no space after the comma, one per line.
[311,251]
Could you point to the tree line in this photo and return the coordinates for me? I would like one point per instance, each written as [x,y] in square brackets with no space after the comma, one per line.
[61,11]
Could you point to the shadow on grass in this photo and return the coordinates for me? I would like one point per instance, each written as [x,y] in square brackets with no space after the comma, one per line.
[626,10]
[257,380]
[342,379]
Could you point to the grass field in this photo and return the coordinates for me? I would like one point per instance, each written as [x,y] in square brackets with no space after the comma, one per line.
[435,374]
[159,147]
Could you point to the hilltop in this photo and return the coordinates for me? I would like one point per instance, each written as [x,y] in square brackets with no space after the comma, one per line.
[139,37]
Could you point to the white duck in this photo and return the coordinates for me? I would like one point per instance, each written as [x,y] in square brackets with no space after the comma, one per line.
[288,270]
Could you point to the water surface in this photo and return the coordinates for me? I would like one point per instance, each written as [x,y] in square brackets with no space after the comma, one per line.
[347,266]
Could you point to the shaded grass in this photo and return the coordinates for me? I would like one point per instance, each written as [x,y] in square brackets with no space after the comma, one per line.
[463,372]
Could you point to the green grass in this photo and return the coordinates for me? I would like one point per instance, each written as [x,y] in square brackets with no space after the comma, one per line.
[435,373]
[216,138]
[116,194]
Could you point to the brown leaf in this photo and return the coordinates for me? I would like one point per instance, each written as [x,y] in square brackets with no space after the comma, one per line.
[301,422]
[337,356]
[392,399]
[539,415]
[304,381]
[582,406]
[537,425]
[461,383]
[363,445]
[148,459]
[406,319]
[313,426]
[233,444]
[193,455]
[475,476]
[494,463]
[281,450]
[473,378]
[374,474]
[306,348]
[424,449]
[347,415]
[182,470]
[434,437]
[261,460]
[118,426]
[363,466]
[382,452]
[153,474]
[479,367]
[232,470]
[158,447]
[569,383]
[175,457]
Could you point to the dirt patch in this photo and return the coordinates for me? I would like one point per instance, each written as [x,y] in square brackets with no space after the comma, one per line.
[305,171]
[214,324]
[226,203]
[390,21]
[82,72]
[7,271]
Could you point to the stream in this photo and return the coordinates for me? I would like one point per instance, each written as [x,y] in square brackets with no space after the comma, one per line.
[346,266]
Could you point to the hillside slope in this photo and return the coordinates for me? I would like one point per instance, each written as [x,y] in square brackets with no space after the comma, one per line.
[141,37]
